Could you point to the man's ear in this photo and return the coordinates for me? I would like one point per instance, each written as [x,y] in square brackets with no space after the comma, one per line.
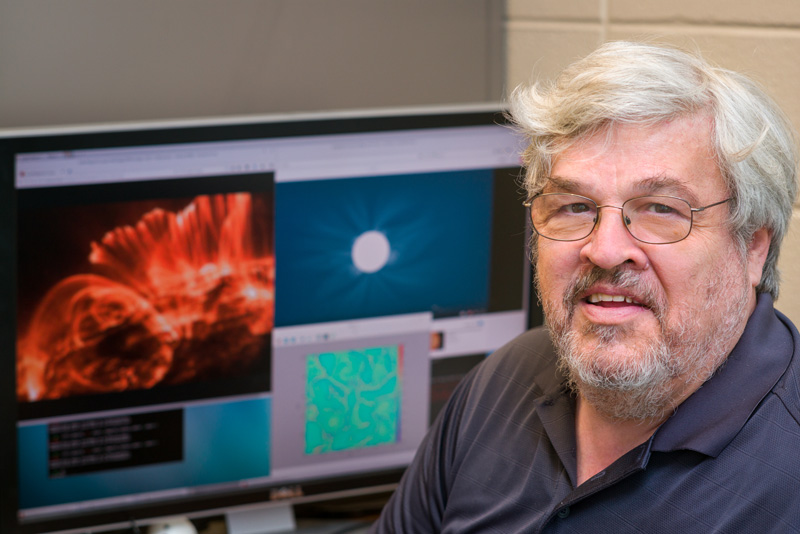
[757,254]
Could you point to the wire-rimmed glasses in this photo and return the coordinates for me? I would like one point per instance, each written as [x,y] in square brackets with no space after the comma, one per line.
[653,219]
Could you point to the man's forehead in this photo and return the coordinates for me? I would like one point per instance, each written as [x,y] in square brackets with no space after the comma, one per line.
[674,157]
[696,129]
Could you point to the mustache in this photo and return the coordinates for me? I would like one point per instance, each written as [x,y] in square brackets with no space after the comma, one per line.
[621,278]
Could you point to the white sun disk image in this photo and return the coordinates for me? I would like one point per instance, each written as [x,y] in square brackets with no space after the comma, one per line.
[370,251]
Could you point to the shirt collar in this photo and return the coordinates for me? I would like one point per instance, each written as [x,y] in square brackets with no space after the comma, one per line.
[710,418]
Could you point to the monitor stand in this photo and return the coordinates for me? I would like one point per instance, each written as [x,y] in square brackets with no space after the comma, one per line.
[172,525]
[274,519]
[261,520]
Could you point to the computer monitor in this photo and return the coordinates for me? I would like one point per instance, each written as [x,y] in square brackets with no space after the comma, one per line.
[206,316]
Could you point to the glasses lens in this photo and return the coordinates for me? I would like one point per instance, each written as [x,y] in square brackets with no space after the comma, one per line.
[563,217]
[658,219]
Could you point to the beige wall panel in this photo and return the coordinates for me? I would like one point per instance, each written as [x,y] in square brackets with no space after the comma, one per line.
[87,61]
[540,52]
[789,263]
[772,57]
[548,9]
[770,12]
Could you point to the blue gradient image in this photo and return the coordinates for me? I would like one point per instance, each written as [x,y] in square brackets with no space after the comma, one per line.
[425,244]
[222,443]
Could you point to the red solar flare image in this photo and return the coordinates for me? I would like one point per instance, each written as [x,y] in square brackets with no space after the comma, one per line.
[161,293]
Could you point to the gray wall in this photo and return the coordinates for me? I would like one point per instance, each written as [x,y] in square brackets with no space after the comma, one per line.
[84,61]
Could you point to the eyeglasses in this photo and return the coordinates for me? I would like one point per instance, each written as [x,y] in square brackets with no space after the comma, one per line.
[654,219]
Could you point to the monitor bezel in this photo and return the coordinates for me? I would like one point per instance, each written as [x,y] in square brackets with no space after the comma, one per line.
[13,142]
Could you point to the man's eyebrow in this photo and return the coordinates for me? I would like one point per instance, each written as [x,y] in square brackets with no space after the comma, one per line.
[660,184]
[563,184]
[666,185]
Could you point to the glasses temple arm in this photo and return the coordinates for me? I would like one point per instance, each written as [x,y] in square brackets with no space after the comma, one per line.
[695,210]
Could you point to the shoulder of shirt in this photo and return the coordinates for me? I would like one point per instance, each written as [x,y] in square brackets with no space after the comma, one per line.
[529,360]
[535,343]
[788,387]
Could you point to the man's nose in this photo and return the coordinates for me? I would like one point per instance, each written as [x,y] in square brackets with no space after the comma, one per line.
[611,244]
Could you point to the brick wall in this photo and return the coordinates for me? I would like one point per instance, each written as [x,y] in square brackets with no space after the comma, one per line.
[761,39]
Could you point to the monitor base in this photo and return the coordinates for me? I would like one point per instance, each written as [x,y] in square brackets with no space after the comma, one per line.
[172,525]
[261,520]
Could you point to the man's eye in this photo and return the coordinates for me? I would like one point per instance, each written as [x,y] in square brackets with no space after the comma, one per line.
[660,209]
[576,208]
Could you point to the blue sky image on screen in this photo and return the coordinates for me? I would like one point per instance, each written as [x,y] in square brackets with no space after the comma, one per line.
[438,228]
[222,443]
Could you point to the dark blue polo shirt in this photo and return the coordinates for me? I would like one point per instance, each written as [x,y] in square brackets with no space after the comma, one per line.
[501,456]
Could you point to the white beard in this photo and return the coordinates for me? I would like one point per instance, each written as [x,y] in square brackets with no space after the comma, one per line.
[646,379]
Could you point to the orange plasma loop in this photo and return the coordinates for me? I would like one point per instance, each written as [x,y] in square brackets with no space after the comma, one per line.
[178,297]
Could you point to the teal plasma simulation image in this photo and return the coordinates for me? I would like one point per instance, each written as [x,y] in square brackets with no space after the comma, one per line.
[353,399]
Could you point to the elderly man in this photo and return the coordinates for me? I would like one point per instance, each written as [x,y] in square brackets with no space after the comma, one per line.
[664,394]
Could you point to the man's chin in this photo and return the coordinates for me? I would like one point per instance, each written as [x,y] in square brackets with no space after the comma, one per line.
[614,339]
[620,372]
[639,405]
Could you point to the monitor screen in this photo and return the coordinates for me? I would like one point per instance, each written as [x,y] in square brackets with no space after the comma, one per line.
[204,315]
